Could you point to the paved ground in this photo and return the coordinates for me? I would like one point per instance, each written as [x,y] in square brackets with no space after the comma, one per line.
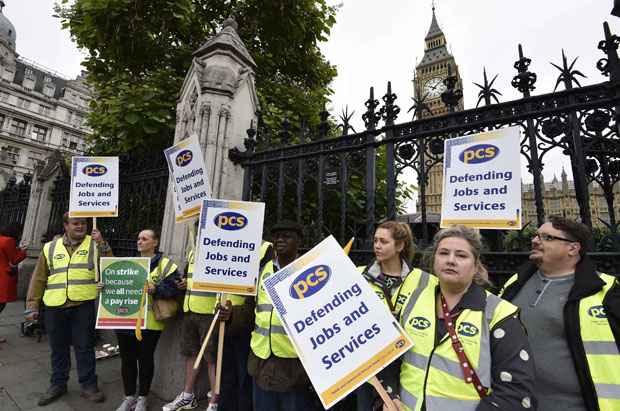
[25,372]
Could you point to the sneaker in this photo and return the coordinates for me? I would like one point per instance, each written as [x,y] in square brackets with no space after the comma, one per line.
[212,407]
[128,404]
[141,404]
[181,403]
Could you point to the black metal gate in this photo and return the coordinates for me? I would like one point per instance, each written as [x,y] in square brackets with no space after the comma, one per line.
[343,185]
[142,191]
[14,201]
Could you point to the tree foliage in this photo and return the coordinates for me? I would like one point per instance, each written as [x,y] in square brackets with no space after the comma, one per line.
[138,53]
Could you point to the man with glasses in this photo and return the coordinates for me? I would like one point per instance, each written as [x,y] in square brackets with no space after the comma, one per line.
[572,314]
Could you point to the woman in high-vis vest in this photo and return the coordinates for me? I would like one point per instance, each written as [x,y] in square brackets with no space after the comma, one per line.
[470,351]
[393,250]
[137,362]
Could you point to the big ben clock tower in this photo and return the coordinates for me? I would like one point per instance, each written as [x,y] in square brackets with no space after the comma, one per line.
[428,85]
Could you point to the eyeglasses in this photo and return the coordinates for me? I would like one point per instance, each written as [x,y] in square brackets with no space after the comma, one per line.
[548,237]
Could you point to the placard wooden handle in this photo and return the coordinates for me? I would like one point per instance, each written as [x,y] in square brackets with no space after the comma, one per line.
[206,340]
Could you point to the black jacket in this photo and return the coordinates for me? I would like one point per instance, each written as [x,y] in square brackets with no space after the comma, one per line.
[587,283]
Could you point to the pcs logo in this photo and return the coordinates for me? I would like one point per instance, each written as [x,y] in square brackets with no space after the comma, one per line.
[467,329]
[310,282]
[597,311]
[59,256]
[479,154]
[94,170]
[184,158]
[230,221]
[420,323]
[81,252]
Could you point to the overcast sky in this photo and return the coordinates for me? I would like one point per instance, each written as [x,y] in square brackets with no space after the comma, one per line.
[376,41]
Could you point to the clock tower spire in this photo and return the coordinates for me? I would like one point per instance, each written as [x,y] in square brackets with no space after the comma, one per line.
[428,83]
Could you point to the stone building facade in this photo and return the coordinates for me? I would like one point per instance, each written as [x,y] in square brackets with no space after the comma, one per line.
[40,110]
[559,199]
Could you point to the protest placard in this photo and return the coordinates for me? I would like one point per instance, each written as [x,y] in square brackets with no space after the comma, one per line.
[189,177]
[343,333]
[227,248]
[94,187]
[119,302]
[482,180]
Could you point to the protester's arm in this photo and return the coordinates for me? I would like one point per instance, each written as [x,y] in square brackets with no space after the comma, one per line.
[38,282]
[103,247]
[512,368]
[241,319]
[612,309]
[14,254]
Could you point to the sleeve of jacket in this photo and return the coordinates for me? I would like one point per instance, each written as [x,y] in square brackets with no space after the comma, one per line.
[15,255]
[612,308]
[512,369]
[38,282]
[242,318]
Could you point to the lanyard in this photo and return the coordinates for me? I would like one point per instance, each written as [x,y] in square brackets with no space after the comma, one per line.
[469,375]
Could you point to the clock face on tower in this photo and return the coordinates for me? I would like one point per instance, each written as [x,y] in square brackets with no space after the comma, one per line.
[434,87]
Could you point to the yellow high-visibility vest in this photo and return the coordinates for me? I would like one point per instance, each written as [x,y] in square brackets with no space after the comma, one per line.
[164,268]
[269,336]
[203,302]
[72,277]
[432,374]
[601,349]
[399,297]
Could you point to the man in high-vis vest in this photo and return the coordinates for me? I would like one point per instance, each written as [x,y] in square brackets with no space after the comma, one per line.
[199,308]
[64,279]
[279,380]
[572,314]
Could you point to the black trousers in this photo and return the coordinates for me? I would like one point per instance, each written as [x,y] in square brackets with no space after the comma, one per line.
[236,384]
[137,360]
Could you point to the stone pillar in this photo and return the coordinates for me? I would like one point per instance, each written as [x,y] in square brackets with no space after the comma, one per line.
[38,216]
[217,102]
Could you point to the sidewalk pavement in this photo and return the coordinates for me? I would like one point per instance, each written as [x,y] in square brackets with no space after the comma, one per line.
[25,373]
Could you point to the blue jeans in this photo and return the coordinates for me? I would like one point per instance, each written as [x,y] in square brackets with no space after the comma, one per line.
[299,400]
[72,326]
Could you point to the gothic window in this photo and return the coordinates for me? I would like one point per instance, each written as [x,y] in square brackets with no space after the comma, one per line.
[29,73]
[69,116]
[18,127]
[49,89]
[45,110]
[12,153]
[39,133]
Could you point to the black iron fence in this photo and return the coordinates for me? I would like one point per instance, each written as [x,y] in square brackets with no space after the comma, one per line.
[342,185]
[142,199]
[14,201]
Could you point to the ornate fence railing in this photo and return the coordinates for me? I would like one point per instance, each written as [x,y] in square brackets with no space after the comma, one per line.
[14,201]
[343,185]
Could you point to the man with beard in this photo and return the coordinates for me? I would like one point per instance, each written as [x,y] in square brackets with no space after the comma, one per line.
[572,314]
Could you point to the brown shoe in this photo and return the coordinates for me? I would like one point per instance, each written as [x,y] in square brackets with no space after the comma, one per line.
[93,394]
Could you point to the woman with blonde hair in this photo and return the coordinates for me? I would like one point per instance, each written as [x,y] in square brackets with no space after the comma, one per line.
[470,349]
[393,250]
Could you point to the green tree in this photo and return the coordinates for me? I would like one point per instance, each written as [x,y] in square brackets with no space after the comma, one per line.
[139,52]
